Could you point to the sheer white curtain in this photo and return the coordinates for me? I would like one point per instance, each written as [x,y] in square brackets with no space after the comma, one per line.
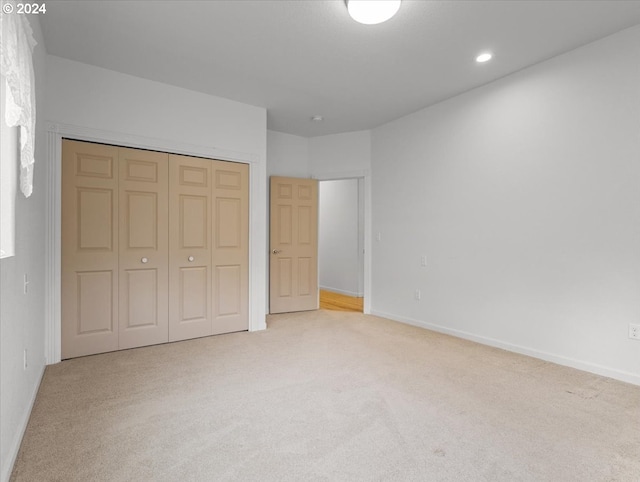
[16,47]
[17,120]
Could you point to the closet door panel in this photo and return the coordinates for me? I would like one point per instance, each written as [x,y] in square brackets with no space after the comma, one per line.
[144,248]
[154,248]
[89,248]
[190,247]
[230,222]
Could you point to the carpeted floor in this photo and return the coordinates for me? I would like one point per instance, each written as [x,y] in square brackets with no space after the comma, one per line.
[328,396]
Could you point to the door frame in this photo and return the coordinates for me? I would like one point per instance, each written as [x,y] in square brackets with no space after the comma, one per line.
[365,175]
[257,180]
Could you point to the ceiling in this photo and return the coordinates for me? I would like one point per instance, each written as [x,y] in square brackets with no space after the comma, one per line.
[300,58]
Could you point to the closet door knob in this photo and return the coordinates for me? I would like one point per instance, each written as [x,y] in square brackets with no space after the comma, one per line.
[191,258]
[144,260]
[276,251]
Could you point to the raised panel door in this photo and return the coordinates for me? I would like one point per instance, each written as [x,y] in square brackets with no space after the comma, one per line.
[89,265]
[144,248]
[230,253]
[293,281]
[190,243]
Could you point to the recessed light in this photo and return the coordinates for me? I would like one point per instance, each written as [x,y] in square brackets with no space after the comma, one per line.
[317,118]
[484,57]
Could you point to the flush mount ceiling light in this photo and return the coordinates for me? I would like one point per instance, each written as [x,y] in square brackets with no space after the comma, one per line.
[371,12]
[484,57]
[317,118]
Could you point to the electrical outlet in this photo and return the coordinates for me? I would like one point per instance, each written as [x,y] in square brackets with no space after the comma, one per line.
[418,295]
[634,331]
[423,261]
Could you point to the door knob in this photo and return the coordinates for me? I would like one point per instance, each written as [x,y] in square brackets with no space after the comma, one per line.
[144,260]
[276,251]
[190,258]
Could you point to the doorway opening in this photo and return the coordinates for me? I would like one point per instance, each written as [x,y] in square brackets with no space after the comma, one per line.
[341,244]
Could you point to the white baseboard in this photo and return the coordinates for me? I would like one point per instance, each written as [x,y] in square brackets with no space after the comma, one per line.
[621,375]
[17,440]
[342,292]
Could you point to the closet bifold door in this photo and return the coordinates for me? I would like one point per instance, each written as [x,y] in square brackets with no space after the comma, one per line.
[230,222]
[89,232]
[143,248]
[189,247]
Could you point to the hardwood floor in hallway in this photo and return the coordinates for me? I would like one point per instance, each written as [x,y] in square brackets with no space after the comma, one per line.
[339,302]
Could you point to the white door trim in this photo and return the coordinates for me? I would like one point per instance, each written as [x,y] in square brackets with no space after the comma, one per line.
[365,174]
[257,257]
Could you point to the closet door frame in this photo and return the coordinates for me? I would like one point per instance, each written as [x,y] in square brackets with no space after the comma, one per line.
[257,217]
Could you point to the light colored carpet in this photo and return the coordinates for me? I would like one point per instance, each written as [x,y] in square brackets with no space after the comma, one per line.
[328,396]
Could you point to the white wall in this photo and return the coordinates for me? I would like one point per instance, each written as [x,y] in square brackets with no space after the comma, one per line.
[89,96]
[338,239]
[287,155]
[22,316]
[336,155]
[340,154]
[525,197]
[9,150]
